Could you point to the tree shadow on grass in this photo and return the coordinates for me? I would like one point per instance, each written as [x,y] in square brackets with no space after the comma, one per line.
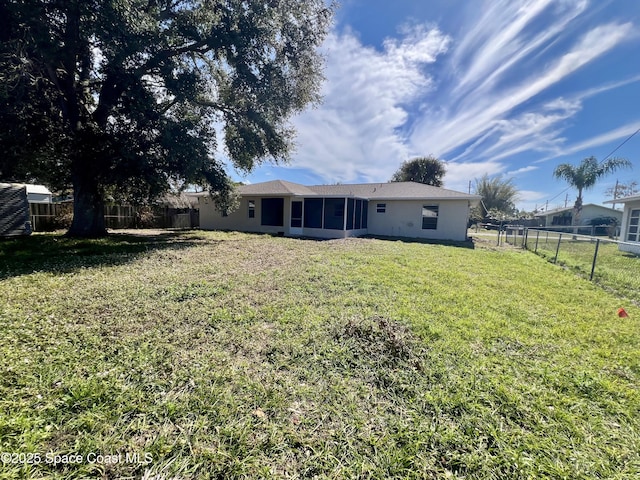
[449,243]
[54,253]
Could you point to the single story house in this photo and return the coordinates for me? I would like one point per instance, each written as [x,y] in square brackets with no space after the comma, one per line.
[399,209]
[630,224]
[563,217]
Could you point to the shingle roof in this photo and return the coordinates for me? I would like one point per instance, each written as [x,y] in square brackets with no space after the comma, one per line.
[392,191]
[630,198]
[370,191]
[568,209]
[275,187]
[31,188]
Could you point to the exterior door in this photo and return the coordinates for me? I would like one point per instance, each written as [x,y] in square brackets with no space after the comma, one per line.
[295,228]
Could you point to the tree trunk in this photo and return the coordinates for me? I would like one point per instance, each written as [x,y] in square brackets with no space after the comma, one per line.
[577,209]
[88,210]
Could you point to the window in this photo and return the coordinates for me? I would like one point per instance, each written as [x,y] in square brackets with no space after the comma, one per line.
[296,214]
[252,208]
[312,213]
[334,213]
[430,217]
[273,212]
[633,235]
[381,208]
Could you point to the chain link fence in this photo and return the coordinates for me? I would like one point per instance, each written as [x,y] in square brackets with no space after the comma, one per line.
[611,263]
[599,258]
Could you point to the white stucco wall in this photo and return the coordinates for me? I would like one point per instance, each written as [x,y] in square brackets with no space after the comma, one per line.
[403,218]
[632,247]
[212,219]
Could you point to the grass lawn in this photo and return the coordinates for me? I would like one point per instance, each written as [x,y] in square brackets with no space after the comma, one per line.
[617,270]
[228,355]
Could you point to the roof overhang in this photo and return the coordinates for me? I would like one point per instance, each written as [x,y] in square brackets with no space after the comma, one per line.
[632,198]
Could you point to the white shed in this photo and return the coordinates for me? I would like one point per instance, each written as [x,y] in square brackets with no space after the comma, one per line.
[38,194]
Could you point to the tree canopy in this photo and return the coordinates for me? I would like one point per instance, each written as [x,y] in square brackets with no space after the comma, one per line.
[498,196]
[586,175]
[130,97]
[622,189]
[428,170]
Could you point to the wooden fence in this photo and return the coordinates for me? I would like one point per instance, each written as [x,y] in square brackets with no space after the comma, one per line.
[51,216]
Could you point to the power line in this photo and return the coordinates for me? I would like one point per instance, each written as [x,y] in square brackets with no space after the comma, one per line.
[602,161]
[616,149]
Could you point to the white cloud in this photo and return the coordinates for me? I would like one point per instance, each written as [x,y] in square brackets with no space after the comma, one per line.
[530,200]
[482,110]
[481,96]
[602,139]
[459,174]
[506,40]
[356,132]
[513,173]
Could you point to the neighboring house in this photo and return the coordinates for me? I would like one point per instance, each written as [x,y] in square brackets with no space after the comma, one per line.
[14,210]
[400,209]
[630,224]
[562,217]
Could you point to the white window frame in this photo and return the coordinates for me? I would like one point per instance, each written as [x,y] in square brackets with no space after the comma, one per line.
[434,213]
[634,223]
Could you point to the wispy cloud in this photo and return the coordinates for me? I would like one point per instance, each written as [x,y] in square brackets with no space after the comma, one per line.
[483,110]
[501,38]
[476,99]
[597,141]
[522,170]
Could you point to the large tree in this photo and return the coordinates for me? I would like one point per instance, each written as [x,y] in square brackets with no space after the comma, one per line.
[586,175]
[428,170]
[128,97]
[498,196]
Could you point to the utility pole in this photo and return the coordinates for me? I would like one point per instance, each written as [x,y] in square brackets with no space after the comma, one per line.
[566,199]
[469,187]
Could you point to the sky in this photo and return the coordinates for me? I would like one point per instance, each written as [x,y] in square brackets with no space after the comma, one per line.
[502,87]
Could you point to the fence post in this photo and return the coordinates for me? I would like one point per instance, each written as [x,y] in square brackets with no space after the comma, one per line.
[537,237]
[595,256]
[555,260]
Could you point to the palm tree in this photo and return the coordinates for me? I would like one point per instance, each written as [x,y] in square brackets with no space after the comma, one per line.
[498,195]
[585,176]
